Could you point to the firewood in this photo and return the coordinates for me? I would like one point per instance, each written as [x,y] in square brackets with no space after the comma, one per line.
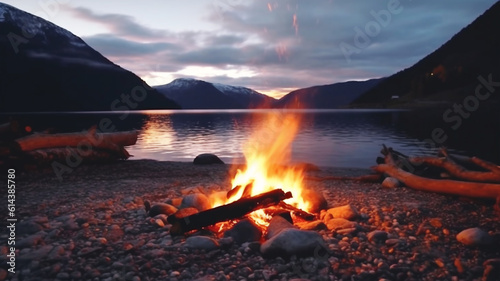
[231,211]
[297,212]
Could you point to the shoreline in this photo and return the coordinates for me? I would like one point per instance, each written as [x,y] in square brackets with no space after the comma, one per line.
[92,225]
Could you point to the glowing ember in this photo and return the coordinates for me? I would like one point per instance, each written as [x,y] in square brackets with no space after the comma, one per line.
[266,152]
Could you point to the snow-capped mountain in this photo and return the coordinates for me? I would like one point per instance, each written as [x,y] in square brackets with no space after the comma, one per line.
[47,68]
[35,26]
[198,94]
[228,89]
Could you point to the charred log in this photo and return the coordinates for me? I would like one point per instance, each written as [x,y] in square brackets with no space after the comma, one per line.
[231,211]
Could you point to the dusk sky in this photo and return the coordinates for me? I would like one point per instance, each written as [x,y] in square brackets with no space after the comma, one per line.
[270,46]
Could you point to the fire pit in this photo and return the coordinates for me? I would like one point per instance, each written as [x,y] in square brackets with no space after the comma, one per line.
[267,197]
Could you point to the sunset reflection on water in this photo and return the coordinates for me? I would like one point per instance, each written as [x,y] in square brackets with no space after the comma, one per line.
[327,138]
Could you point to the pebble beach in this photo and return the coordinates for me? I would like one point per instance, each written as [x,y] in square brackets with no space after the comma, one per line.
[92,225]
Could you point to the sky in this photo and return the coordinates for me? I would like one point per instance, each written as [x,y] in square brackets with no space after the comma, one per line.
[273,47]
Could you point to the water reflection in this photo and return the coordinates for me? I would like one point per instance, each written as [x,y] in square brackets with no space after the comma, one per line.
[346,138]
[328,138]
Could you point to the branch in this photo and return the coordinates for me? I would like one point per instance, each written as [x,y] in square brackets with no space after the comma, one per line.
[457,170]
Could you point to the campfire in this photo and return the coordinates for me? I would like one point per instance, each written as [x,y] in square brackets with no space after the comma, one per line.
[263,188]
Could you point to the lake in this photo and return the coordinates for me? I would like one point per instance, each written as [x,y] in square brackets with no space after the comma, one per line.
[339,138]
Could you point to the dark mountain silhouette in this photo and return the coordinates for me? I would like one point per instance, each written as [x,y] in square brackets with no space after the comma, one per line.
[449,74]
[44,67]
[197,94]
[327,96]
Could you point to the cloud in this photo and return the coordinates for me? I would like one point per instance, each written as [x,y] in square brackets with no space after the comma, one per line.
[113,46]
[408,34]
[287,43]
[119,24]
[224,40]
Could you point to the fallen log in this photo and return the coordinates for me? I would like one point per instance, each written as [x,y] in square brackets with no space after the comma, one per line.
[110,141]
[234,210]
[461,188]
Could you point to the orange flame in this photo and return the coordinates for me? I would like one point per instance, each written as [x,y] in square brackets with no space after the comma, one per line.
[266,153]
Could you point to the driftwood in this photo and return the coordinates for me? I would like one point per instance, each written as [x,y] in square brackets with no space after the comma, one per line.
[456,187]
[458,171]
[488,166]
[84,141]
[234,210]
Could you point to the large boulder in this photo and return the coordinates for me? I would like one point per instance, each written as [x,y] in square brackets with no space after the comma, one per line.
[316,199]
[207,159]
[347,212]
[276,225]
[197,200]
[390,182]
[162,208]
[339,224]
[201,243]
[291,241]
[244,231]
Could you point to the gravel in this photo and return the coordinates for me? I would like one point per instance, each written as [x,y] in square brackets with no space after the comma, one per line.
[92,225]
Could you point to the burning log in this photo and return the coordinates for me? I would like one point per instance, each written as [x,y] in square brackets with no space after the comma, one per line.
[297,212]
[231,211]
[455,187]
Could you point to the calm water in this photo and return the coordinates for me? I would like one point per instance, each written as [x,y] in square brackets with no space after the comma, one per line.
[342,138]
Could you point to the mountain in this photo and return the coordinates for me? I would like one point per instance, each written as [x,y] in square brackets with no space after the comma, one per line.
[44,67]
[197,94]
[327,96]
[451,73]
